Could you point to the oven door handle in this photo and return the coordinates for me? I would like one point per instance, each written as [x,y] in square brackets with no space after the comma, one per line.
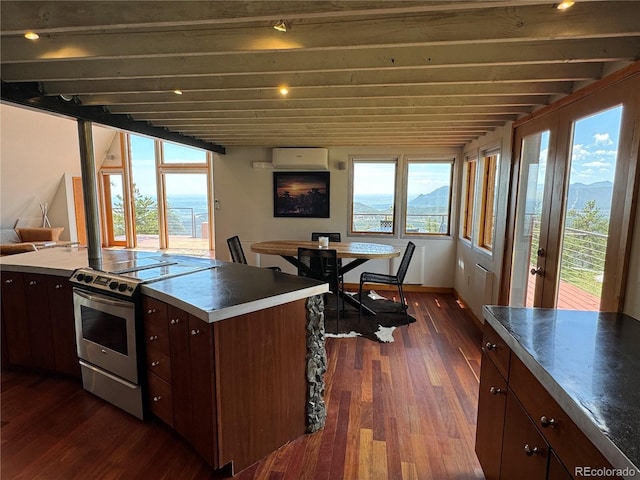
[100,298]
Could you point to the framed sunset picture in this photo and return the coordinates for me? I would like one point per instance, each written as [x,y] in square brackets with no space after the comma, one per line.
[301,194]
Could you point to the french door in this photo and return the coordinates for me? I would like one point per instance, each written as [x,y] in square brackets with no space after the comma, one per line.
[573,180]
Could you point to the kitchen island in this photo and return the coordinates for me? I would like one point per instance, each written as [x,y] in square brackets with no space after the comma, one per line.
[233,352]
[559,394]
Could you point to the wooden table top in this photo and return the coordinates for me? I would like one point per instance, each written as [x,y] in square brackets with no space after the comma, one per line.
[343,249]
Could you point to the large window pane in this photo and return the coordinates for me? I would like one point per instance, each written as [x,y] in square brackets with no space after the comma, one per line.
[428,197]
[174,153]
[187,212]
[533,161]
[373,196]
[469,197]
[588,209]
[488,208]
[145,199]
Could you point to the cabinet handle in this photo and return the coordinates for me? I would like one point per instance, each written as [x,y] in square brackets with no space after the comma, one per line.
[530,451]
[496,391]
[151,310]
[195,332]
[548,422]
[32,282]
[58,286]
[155,363]
[157,398]
[9,280]
[490,346]
[175,321]
[153,338]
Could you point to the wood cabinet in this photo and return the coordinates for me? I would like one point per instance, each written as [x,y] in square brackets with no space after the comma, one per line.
[234,389]
[37,320]
[492,401]
[14,320]
[522,432]
[60,296]
[179,356]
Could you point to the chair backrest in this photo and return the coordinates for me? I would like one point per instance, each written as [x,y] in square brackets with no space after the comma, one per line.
[320,265]
[404,264]
[333,236]
[235,247]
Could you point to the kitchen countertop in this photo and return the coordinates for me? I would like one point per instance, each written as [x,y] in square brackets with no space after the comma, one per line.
[589,362]
[223,291]
[231,289]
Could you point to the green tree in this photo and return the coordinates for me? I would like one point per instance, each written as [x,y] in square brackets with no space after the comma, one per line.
[146,208]
[585,243]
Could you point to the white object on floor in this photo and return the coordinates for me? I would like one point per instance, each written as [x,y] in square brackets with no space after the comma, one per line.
[385,334]
[342,335]
[374,296]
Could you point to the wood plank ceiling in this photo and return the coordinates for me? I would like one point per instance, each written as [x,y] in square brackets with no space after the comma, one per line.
[427,73]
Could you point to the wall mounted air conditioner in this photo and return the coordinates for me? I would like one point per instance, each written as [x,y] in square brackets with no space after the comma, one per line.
[301,158]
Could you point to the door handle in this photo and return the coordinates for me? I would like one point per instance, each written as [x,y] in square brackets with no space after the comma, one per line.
[537,271]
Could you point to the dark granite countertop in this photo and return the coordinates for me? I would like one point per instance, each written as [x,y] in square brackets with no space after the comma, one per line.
[590,364]
[232,289]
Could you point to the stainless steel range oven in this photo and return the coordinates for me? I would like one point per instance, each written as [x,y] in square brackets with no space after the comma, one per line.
[108,338]
[109,330]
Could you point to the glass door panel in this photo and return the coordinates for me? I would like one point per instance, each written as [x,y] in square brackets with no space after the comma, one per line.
[587,213]
[187,211]
[529,212]
[114,209]
[145,199]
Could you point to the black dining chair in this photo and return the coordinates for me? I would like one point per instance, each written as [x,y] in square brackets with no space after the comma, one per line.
[397,279]
[333,237]
[237,253]
[321,265]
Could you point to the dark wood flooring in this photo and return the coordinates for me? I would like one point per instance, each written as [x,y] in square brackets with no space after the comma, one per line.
[405,410]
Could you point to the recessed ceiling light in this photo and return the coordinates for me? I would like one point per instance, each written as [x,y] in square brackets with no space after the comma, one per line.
[31,36]
[178,92]
[284,91]
[280,26]
[564,5]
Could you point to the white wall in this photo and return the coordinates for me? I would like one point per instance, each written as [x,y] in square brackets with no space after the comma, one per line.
[37,150]
[632,297]
[469,282]
[245,198]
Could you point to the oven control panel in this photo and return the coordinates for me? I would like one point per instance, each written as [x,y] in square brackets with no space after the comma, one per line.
[106,282]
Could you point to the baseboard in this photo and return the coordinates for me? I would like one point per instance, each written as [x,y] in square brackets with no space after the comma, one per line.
[405,287]
[479,323]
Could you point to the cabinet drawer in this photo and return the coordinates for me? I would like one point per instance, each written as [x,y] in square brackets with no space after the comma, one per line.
[160,400]
[157,336]
[154,311]
[525,453]
[159,362]
[572,446]
[496,349]
[492,399]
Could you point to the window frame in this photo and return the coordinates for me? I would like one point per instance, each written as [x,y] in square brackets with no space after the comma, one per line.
[490,163]
[444,159]
[468,202]
[355,159]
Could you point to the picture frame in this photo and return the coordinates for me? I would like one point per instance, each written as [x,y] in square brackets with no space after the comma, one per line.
[301,194]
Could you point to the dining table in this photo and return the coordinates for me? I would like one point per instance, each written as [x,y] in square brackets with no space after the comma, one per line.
[359,252]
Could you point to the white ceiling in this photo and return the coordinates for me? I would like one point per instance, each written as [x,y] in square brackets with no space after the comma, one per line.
[359,72]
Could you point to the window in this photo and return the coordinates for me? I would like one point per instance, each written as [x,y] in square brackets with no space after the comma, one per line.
[159,196]
[428,197]
[488,206]
[373,196]
[469,196]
